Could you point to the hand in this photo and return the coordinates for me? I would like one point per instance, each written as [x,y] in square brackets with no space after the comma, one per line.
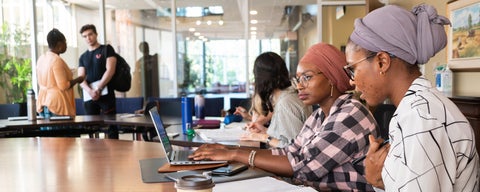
[374,162]
[212,152]
[94,94]
[255,127]
[243,112]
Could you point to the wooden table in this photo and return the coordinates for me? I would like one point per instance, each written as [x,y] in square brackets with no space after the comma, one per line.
[74,164]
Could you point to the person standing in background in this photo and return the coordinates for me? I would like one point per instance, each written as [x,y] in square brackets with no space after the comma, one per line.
[55,79]
[432,145]
[97,64]
[148,65]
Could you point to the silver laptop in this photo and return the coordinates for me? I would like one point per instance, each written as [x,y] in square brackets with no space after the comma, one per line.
[174,157]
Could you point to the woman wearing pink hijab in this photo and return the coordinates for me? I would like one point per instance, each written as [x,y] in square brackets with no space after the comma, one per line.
[432,145]
[322,153]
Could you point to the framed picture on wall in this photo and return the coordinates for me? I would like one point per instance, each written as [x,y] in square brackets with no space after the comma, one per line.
[463,46]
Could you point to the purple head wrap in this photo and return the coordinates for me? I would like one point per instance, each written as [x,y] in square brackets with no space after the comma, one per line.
[413,36]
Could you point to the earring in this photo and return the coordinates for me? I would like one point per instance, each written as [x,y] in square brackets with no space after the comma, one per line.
[382,73]
[331,91]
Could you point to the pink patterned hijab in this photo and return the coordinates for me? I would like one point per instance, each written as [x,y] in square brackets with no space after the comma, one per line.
[413,36]
[330,61]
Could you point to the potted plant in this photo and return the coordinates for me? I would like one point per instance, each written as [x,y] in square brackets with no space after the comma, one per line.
[15,64]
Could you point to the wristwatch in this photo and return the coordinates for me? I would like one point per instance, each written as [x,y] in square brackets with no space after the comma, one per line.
[269,138]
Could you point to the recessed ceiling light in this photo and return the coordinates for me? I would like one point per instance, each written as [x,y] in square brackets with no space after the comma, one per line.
[253,28]
[191,29]
[209,22]
[253,32]
[196,33]
[253,12]
[198,22]
[220,22]
[253,21]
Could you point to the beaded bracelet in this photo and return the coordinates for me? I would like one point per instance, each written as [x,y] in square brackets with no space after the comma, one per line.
[251,158]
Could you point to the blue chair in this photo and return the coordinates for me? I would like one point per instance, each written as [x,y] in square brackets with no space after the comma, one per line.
[129,104]
[214,106]
[9,110]
[80,110]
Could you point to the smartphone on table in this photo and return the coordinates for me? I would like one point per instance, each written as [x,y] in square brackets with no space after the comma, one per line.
[230,170]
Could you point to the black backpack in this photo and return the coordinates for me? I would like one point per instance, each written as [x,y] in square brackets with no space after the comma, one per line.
[122,79]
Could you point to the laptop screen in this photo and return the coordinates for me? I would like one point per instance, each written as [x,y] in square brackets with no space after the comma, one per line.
[162,134]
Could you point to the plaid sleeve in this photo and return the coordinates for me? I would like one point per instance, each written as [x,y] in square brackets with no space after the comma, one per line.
[303,136]
[340,136]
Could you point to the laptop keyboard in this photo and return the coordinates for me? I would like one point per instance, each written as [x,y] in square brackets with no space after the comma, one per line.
[180,155]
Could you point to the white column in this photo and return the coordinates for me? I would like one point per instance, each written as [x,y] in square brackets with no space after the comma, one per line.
[174,44]
[33,47]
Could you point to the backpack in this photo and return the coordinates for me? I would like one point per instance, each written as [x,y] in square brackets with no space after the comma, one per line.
[122,79]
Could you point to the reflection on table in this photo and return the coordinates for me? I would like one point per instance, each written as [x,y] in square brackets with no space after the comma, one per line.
[74,164]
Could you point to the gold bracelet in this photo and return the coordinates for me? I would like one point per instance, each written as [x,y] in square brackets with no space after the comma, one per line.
[251,158]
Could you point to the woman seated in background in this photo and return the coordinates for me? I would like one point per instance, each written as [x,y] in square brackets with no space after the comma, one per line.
[334,135]
[432,144]
[274,96]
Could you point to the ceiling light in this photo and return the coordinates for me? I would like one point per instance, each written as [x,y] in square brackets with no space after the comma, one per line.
[253,21]
[198,22]
[253,12]
[196,33]
[253,32]
[191,29]
[220,22]
[253,28]
[209,22]
[188,38]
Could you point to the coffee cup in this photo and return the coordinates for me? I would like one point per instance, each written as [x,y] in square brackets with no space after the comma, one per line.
[194,183]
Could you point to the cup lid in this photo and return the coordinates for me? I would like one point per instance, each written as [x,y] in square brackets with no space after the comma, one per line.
[194,182]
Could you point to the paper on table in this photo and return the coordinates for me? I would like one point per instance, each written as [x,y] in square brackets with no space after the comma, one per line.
[236,125]
[225,134]
[259,185]
[94,85]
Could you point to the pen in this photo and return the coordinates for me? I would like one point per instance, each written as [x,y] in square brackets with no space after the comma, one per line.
[357,160]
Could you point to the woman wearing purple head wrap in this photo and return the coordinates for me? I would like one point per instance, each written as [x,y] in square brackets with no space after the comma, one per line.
[432,146]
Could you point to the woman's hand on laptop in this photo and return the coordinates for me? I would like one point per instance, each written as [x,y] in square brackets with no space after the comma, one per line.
[212,152]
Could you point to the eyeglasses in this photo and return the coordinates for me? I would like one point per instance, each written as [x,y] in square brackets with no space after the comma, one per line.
[303,79]
[349,70]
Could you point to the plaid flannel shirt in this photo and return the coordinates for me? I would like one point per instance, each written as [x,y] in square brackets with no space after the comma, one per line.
[322,153]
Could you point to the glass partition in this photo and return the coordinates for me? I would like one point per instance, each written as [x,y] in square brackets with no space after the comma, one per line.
[216,41]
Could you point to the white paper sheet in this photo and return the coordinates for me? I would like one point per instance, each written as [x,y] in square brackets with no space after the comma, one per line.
[94,85]
[222,134]
[261,184]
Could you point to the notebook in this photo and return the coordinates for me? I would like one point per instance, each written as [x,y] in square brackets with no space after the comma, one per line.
[174,157]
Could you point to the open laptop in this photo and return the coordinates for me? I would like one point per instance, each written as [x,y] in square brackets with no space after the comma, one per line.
[174,157]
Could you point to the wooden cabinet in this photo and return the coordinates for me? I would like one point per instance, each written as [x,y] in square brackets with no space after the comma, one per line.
[470,107]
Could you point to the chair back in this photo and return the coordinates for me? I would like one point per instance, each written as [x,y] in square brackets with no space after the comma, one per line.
[80,110]
[129,104]
[9,110]
[214,106]
[242,102]
[170,106]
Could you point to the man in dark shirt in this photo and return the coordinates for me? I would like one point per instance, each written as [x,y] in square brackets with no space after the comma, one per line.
[97,65]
